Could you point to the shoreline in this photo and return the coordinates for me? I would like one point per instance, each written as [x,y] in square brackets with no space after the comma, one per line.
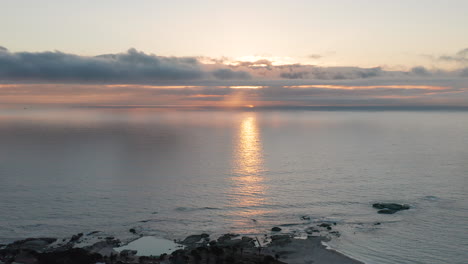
[93,248]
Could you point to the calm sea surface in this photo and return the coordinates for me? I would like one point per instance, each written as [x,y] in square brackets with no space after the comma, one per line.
[174,173]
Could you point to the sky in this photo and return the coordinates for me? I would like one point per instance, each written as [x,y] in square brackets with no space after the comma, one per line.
[234,53]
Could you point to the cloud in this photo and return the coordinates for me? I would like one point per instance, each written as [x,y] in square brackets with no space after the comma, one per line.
[138,67]
[228,74]
[138,78]
[460,57]
[295,75]
[464,72]
[129,67]
[331,73]
[420,71]
[314,56]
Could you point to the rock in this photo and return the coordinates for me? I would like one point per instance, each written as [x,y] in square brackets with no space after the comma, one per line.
[26,257]
[387,211]
[329,228]
[227,237]
[132,230]
[128,253]
[247,239]
[34,244]
[71,256]
[305,217]
[391,206]
[276,229]
[205,235]
[378,223]
[280,240]
[76,237]
[326,225]
[104,248]
[311,230]
[191,239]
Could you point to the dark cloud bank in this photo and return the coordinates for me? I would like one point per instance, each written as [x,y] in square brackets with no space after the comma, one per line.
[137,78]
[138,67]
[129,67]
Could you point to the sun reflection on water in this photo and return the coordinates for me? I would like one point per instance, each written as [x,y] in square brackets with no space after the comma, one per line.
[248,186]
[248,160]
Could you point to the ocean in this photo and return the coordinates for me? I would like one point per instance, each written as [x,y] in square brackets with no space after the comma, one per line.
[175,172]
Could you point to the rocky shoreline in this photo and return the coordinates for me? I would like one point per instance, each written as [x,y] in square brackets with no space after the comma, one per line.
[275,247]
[94,248]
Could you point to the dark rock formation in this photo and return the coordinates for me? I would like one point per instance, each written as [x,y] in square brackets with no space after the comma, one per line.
[280,240]
[76,237]
[71,256]
[276,229]
[391,206]
[386,211]
[35,244]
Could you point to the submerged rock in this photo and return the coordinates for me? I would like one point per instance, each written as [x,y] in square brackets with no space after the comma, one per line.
[387,211]
[391,206]
[276,229]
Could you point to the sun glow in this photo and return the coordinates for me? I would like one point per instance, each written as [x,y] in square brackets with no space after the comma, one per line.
[262,61]
[246,87]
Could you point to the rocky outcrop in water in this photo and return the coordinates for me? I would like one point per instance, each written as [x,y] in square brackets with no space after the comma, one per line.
[390,208]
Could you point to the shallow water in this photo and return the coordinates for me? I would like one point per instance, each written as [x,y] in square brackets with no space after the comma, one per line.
[150,246]
[173,173]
